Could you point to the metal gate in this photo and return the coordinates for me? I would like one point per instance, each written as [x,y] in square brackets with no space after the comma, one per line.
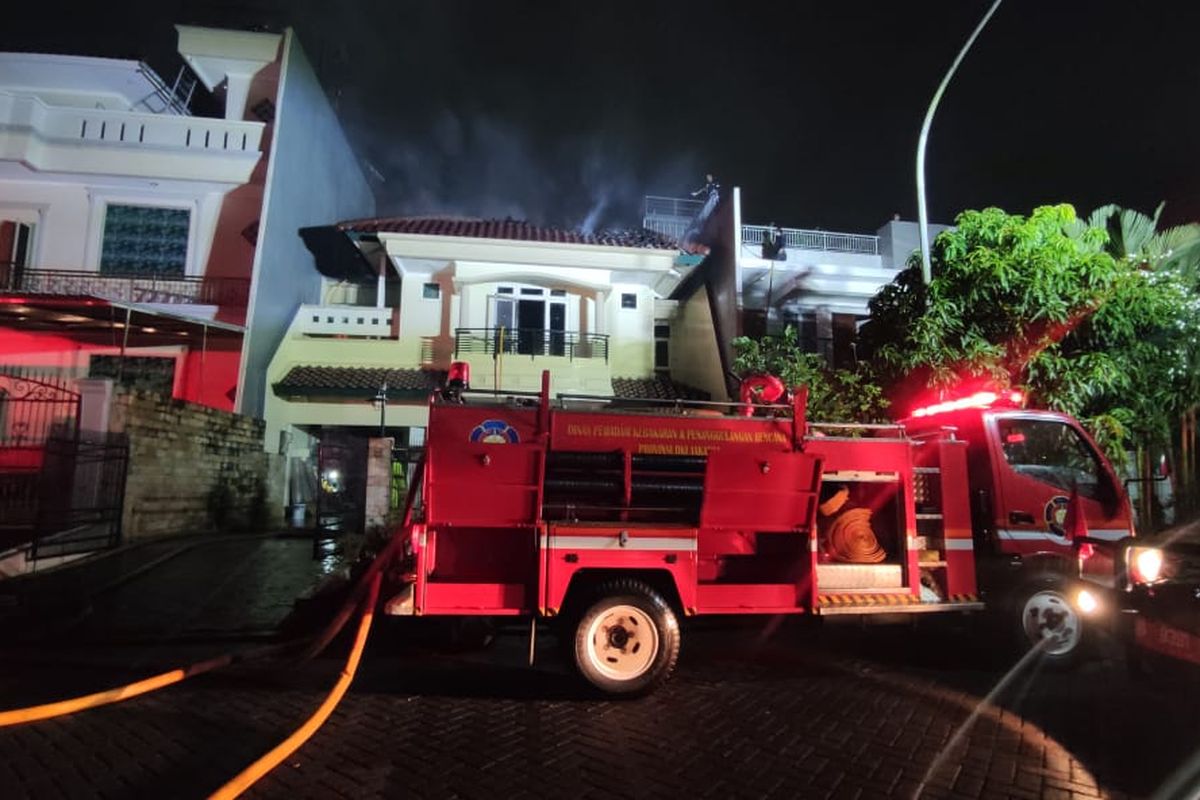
[81,495]
[32,410]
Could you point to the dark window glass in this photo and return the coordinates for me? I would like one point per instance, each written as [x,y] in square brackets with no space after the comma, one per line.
[431,291]
[1051,452]
[662,331]
[505,290]
[558,292]
[534,292]
[141,240]
[628,300]
[662,354]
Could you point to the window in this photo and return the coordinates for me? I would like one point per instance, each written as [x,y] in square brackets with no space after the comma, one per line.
[141,240]
[532,292]
[558,292]
[662,346]
[431,291]
[1051,452]
[504,290]
[628,300]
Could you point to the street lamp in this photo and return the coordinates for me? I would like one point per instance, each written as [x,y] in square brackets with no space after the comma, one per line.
[922,214]
[380,400]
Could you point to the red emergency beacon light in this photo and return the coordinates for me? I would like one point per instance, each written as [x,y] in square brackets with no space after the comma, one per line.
[976,400]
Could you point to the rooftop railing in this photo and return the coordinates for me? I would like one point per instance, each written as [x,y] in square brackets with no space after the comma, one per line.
[230,292]
[674,215]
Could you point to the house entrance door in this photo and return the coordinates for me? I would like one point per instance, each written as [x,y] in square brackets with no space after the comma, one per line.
[531,322]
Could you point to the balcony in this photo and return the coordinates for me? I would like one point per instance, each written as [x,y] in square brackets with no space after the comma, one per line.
[360,322]
[531,342]
[225,292]
[66,139]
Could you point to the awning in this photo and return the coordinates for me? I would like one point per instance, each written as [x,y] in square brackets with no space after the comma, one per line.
[96,320]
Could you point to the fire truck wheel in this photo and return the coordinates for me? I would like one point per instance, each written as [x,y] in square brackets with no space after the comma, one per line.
[1047,619]
[627,641]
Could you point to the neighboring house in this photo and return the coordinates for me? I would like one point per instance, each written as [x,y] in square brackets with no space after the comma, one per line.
[404,297]
[821,283]
[127,225]
[144,246]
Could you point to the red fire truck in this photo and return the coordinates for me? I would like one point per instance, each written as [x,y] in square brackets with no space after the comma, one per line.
[614,520]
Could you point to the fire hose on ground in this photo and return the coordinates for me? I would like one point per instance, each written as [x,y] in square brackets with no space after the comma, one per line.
[368,583]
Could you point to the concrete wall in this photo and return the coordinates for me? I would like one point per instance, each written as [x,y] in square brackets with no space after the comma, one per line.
[313,178]
[693,348]
[193,468]
[899,239]
[68,218]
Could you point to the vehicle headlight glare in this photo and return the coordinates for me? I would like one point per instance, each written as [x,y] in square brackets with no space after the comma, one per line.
[1147,564]
[1086,602]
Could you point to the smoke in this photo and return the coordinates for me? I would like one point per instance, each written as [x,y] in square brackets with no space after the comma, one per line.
[482,166]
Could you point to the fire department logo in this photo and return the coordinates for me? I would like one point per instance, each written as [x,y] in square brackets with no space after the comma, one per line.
[495,431]
[1056,514]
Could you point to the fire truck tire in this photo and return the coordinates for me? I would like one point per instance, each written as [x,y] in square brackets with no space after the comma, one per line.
[627,641]
[1045,617]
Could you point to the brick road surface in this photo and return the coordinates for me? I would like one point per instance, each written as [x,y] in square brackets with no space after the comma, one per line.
[831,711]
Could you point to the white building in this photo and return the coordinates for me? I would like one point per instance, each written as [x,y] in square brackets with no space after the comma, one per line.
[822,282]
[126,223]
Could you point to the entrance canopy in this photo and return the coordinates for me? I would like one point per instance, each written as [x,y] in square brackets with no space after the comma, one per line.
[96,320]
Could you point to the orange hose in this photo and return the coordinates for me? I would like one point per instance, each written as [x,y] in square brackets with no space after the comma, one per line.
[19,715]
[851,539]
[268,762]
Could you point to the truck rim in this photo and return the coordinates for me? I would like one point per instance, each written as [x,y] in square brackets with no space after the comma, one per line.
[1049,618]
[622,643]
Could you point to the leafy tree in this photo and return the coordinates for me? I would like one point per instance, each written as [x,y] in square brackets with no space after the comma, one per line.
[834,395]
[1039,302]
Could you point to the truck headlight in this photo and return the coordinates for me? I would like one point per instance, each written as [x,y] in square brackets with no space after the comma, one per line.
[1145,564]
[1086,601]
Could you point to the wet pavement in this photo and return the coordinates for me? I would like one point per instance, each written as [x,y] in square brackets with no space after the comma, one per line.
[754,710]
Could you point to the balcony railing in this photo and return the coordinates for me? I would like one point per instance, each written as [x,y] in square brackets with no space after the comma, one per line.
[356,321]
[532,342]
[229,292]
[130,128]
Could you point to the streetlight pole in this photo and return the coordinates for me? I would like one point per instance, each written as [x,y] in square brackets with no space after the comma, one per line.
[922,213]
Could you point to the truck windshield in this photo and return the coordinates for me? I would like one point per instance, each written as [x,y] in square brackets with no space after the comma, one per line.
[1052,452]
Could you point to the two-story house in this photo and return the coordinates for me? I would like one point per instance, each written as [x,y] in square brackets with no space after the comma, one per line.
[404,297]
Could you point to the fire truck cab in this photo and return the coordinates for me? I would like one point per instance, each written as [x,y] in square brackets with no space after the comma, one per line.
[615,520]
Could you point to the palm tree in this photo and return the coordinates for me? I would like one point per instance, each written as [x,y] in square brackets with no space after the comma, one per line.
[1135,236]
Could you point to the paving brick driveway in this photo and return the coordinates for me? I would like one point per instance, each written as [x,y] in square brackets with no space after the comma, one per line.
[807,712]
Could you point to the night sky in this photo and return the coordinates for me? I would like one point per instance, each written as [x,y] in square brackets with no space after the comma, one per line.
[559,111]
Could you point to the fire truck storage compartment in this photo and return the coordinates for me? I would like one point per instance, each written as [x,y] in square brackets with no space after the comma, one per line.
[592,486]
[859,511]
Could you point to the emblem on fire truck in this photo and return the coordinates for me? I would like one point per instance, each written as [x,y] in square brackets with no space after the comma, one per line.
[495,431]
[1056,514]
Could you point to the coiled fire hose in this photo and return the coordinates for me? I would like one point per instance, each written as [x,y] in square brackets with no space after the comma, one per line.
[851,539]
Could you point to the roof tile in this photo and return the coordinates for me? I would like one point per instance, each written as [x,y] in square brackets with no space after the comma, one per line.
[655,389]
[356,380]
[510,229]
